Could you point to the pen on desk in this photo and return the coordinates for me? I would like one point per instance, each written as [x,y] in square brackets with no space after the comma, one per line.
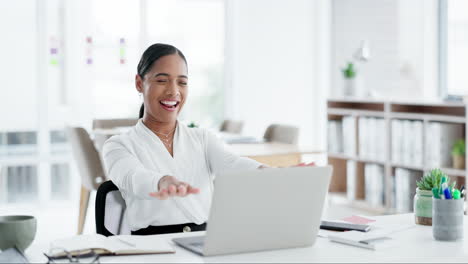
[125,242]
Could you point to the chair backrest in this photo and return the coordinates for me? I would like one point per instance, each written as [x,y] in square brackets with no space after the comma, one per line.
[282,133]
[87,158]
[100,139]
[110,210]
[112,123]
[232,126]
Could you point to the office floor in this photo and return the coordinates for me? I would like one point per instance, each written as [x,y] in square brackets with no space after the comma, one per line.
[59,219]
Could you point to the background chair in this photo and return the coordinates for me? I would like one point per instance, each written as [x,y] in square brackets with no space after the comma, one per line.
[89,166]
[282,133]
[100,139]
[110,210]
[111,123]
[231,126]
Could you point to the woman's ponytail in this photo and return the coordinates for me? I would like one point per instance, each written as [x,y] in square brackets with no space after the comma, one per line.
[142,111]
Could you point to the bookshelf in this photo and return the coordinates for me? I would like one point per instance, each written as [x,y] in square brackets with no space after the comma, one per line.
[423,114]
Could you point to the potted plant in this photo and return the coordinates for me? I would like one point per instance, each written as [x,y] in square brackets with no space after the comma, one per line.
[423,197]
[458,154]
[349,74]
[192,124]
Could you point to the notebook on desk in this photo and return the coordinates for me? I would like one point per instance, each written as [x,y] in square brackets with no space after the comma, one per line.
[359,239]
[114,245]
[378,237]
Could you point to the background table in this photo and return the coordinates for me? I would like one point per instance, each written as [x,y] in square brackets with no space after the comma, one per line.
[273,153]
[270,153]
[414,245]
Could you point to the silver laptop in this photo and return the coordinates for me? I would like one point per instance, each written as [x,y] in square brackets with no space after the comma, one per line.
[263,209]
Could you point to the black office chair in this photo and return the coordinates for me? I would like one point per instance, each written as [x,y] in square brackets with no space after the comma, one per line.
[110,210]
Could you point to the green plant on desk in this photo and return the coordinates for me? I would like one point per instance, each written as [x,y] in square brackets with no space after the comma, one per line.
[458,154]
[423,197]
[432,179]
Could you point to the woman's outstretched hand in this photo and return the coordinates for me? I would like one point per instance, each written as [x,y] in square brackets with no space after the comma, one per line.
[169,186]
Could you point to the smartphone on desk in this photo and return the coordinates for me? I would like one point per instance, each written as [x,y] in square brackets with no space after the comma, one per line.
[340,226]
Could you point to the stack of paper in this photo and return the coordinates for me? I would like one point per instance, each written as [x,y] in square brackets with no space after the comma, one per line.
[440,138]
[374,184]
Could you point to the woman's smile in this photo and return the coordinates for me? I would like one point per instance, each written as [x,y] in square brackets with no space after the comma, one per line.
[169,105]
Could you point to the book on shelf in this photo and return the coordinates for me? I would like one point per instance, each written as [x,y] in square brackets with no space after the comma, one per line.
[335,136]
[417,143]
[349,135]
[440,138]
[374,184]
[407,142]
[397,135]
[351,180]
[371,135]
[404,189]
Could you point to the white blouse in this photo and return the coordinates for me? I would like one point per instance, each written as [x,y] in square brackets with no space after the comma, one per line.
[136,160]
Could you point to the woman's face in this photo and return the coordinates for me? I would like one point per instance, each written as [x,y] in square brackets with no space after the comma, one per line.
[164,88]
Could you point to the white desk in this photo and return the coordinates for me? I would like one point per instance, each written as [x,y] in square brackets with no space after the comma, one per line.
[416,245]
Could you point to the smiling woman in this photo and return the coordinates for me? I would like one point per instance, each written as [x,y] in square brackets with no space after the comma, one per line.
[162,80]
[159,159]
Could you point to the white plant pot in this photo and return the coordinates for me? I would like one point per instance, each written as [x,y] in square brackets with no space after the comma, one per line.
[349,87]
[353,87]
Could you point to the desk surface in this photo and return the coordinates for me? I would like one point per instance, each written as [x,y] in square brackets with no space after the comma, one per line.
[415,245]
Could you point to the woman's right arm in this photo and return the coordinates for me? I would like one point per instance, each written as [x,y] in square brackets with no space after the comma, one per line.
[127,172]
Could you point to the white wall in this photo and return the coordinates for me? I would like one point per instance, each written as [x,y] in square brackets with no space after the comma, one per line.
[403,42]
[18,78]
[418,47]
[277,65]
[376,22]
